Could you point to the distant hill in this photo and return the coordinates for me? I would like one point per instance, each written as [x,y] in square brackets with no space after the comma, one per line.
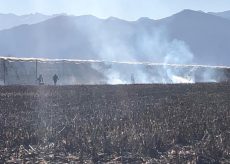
[11,20]
[225,14]
[186,37]
[208,36]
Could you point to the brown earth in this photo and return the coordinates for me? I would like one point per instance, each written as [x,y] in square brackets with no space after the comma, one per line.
[115,124]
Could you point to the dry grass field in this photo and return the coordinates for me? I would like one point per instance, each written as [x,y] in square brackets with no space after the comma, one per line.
[184,123]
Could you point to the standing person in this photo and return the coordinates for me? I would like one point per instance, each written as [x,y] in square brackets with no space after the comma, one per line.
[40,80]
[132,79]
[55,79]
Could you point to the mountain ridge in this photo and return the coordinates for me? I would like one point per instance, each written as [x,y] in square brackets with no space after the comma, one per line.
[11,20]
[203,35]
[224,14]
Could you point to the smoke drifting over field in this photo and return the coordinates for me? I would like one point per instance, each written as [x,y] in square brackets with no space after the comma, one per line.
[151,46]
[71,72]
[163,73]
[179,39]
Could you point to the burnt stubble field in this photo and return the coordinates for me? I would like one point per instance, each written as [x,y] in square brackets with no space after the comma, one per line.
[184,123]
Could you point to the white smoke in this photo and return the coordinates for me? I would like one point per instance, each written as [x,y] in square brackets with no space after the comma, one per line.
[72,72]
[153,46]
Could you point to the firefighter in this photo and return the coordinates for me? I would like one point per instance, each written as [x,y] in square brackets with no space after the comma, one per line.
[132,79]
[55,79]
[40,80]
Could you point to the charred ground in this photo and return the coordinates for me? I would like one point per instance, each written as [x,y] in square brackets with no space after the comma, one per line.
[115,124]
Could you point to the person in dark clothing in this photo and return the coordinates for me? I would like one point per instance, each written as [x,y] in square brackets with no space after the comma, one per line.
[132,79]
[40,80]
[55,79]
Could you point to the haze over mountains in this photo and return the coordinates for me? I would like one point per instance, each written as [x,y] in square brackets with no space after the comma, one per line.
[225,14]
[188,37]
[11,20]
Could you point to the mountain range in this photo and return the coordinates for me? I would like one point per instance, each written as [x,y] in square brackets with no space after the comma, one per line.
[188,37]
[225,14]
[11,20]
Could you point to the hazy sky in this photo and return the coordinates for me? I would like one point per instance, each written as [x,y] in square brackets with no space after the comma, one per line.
[125,9]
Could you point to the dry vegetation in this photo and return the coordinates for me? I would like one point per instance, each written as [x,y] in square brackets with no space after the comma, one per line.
[115,124]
